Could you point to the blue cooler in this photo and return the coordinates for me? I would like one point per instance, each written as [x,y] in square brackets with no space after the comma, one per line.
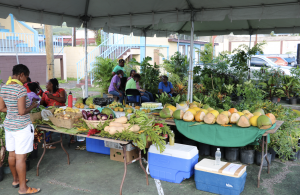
[174,164]
[96,146]
[225,179]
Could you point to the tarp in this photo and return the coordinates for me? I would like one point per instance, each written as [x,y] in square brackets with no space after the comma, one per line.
[218,135]
[162,17]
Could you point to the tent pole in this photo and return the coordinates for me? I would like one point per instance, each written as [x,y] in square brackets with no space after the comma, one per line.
[249,61]
[85,62]
[145,42]
[190,81]
[178,43]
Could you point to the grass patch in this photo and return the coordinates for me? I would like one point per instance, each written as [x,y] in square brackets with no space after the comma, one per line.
[72,79]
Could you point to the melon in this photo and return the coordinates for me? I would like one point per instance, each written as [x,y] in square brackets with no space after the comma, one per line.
[245,112]
[232,110]
[178,114]
[209,118]
[222,119]
[272,117]
[243,122]
[188,116]
[166,113]
[257,113]
[173,108]
[214,112]
[253,121]
[264,122]
[260,111]
[226,113]
[234,117]
[205,106]
[249,115]
[199,117]
[240,113]
[192,111]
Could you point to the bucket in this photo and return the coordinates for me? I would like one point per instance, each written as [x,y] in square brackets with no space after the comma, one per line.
[204,149]
[258,159]
[247,156]
[232,154]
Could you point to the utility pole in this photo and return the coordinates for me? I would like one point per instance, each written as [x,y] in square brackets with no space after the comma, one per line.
[49,51]
[74,37]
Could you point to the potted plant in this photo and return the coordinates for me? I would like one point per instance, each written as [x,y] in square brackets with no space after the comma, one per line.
[258,156]
[239,91]
[229,89]
[232,154]
[288,85]
[247,154]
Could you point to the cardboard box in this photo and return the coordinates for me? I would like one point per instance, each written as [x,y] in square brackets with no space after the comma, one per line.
[117,155]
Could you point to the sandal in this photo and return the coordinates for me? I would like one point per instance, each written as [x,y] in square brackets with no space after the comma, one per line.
[49,147]
[17,185]
[32,190]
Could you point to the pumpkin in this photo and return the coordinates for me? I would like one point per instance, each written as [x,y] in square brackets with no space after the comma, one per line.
[122,119]
[115,124]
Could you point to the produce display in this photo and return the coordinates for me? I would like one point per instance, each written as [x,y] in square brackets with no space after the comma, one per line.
[95,115]
[207,115]
[151,105]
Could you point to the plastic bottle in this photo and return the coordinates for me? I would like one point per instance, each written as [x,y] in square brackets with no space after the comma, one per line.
[172,139]
[70,100]
[218,157]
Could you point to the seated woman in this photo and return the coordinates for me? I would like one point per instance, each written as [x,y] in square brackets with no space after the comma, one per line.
[146,93]
[114,87]
[166,87]
[131,84]
[54,96]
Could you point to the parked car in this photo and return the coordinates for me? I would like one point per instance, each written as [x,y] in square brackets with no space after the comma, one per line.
[278,60]
[261,61]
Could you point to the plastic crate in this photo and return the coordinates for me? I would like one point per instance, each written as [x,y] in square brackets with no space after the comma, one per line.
[118,146]
[96,146]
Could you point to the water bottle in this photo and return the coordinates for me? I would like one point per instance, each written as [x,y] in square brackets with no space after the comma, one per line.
[70,100]
[218,157]
[172,139]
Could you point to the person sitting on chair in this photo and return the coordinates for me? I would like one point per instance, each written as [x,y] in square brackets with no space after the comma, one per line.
[114,88]
[166,87]
[146,93]
[131,84]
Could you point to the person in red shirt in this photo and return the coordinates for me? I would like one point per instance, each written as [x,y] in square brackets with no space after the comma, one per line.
[54,96]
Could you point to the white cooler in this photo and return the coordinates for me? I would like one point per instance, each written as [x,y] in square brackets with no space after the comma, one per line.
[174,164]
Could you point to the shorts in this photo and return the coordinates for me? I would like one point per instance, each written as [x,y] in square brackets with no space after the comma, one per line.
[20,141]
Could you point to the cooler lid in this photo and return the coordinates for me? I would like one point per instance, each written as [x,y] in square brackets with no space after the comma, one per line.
[178,151]
[224,168]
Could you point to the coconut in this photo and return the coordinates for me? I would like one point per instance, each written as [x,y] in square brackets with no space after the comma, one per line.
[214,112]
[232,110]
[209,118]
[192,111]
[220,110]
[272,117]
[249,115]
[205,111]
[264,122]
[234,118]
[222,119]
[178,114]
[260,111]
[199,117]
[253,121]
[166,105]
[210,109]
[188,116]
[245,112]
[173,108]
[243,122]
[166,113]
[226,113]
[192,105]
[205,106]
[257,113]
[240,113]
[196,109]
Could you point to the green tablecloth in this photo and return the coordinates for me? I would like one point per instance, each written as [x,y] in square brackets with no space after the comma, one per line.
[217,135]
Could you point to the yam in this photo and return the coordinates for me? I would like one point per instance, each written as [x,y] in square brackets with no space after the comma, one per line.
[115,124]
[122,119]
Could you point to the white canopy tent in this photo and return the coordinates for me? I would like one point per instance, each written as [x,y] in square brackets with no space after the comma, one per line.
[162,17]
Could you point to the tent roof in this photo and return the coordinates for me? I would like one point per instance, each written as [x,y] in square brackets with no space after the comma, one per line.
[162,17]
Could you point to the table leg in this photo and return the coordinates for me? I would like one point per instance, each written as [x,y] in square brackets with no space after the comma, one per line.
[62,146]
[266,155]
[125,168]
[140,157]
[38,165]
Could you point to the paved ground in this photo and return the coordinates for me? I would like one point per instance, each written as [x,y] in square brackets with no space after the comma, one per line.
[91,173]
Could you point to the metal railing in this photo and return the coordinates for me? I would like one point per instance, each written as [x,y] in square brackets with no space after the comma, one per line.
[17,42]
[113,47]
[27,43]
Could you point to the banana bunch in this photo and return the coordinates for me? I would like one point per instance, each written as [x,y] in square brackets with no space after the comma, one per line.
[69,109]
[58,110]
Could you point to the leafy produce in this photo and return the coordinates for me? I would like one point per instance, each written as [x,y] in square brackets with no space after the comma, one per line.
[108,112]
[264,122]
[243,122]
[89,101]
[39,109]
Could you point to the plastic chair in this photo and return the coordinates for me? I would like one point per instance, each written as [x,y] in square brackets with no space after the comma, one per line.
[133,92]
